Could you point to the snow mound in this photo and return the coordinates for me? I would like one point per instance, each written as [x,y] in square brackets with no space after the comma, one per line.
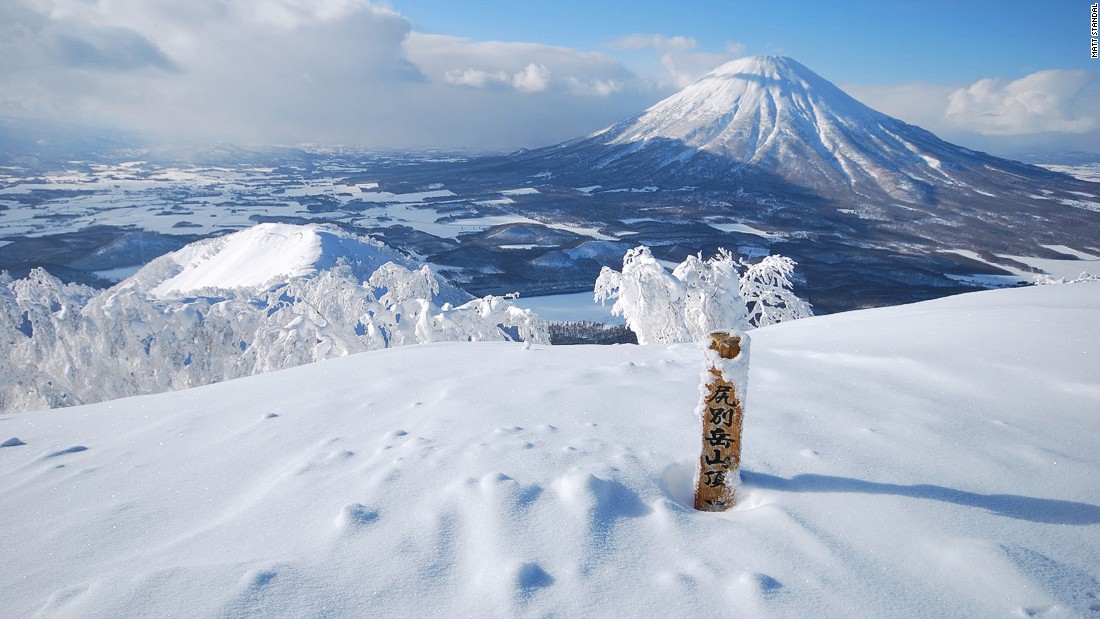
[263,254]
[937,459]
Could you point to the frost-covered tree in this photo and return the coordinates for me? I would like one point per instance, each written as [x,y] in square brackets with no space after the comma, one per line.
[65,344]
[648,296]
[1046,280]
[698,296]
[768,292]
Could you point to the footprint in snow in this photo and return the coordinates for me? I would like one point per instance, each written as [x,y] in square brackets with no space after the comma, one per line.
[254,580]
[389,439]
[530,577]
[355,516]
[758,581]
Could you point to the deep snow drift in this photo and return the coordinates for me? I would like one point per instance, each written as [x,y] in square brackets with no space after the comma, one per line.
[936,459]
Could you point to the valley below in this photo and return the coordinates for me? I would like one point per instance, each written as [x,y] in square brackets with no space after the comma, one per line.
[497,231]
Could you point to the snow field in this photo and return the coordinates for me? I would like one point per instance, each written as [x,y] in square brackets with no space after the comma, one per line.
[936,459]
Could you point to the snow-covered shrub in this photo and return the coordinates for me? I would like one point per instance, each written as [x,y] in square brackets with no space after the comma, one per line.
[767,289]
[64,344]
[698,296]
[1046,280]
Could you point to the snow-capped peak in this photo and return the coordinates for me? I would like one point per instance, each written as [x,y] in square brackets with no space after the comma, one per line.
[781,67]
[750,108]
[261,255]
[779,117]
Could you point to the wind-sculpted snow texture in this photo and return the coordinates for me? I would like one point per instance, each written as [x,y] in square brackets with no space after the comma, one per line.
[268,298]
[699,296]
[932,460]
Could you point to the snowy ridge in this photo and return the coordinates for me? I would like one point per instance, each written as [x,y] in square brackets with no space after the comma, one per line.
[928,460]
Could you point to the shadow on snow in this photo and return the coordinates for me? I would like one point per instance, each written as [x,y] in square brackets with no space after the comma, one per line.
[1048,511]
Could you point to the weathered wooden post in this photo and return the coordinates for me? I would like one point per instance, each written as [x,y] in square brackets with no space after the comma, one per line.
[722,397]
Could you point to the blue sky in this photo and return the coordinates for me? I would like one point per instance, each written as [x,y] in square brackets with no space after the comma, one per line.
[872,42]
[1009,77]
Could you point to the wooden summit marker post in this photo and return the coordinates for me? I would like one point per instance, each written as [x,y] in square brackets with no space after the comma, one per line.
[724,382]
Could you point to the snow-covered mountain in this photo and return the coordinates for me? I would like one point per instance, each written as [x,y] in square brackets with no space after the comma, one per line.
[932,460]
[780,160]
[266,298]
[772,113]
[771,117]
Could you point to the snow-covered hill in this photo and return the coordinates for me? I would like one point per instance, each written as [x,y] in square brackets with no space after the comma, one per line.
[269,297]
[252,261]
[267,254]
[936,459]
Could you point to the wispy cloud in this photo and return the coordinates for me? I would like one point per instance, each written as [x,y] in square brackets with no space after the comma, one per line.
[679,57]
[525,67]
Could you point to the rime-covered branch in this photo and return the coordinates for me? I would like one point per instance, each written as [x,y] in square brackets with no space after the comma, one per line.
[699,296]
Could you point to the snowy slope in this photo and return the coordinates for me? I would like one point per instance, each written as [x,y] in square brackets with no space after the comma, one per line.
[254,257]
[937,459]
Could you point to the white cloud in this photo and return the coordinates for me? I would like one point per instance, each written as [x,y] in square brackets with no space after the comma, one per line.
[347,71]
[264,70]
[918,103]
[1059,101]
[476,78]
[598,88]
[1040,113]
[278,71]
[654,41]
[31,41]
[526,67]
[533,78]
[679,61]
